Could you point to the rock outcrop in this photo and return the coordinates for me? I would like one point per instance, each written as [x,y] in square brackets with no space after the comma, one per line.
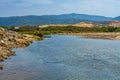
[10,40]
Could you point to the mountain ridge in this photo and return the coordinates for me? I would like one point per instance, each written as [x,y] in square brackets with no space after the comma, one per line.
[116,18]
[51,19]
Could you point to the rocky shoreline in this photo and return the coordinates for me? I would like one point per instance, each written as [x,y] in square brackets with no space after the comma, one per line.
[10,40]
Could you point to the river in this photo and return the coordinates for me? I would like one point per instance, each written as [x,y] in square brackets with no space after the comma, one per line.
[64,57]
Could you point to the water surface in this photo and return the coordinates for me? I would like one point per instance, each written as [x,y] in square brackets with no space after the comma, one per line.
[65,58]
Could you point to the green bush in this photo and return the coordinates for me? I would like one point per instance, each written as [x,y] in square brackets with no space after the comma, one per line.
[38,34]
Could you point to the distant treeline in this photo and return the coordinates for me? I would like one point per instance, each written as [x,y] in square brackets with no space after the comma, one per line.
[81,29]
[64,29]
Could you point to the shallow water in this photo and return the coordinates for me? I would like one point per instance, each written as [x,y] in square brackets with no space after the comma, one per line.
[65,58]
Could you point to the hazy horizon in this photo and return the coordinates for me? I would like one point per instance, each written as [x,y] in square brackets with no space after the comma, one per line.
[55,14]
[108,8]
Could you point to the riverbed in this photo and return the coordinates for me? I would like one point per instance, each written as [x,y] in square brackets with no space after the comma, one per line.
[62,57]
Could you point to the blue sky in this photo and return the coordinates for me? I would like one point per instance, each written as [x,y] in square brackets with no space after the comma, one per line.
[48,7]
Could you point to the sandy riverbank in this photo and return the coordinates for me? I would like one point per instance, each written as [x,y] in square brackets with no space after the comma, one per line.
[10,40]
[103,35]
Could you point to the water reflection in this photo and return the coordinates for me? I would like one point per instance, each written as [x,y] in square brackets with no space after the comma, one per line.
[47,36]
[1,67]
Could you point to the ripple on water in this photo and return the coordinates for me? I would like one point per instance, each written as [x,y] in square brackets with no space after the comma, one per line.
[65,58]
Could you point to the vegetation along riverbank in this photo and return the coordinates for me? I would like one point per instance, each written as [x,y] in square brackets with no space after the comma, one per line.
[92,32]
[16,37]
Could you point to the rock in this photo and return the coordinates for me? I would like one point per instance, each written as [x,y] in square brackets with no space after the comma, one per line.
[5,57]
[1,59]
[9,40]
[2,29]
[2,41]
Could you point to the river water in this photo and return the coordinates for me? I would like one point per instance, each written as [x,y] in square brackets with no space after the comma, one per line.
[65,58]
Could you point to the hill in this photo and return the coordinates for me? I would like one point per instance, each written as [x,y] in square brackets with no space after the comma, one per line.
[116,18]
[51,19]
